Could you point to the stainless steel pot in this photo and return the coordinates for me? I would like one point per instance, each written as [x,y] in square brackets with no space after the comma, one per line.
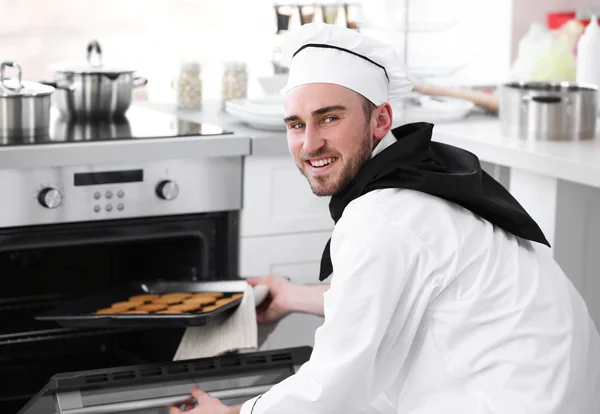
[92,90]
[24,107]
[548,111]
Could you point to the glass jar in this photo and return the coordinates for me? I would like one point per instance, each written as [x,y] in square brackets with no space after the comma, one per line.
[235,81]
[189,86]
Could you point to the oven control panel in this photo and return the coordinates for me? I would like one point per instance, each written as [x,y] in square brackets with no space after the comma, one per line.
[167,190]
[104,192]
[50,197]
[108,199]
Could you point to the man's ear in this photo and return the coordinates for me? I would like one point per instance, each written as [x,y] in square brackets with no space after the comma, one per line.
[383,120]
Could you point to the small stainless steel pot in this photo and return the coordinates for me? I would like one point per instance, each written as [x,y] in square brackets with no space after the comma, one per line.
[92,90]
[548,111]
[24,107]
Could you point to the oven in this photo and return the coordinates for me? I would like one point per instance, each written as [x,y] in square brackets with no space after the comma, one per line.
[66,232]
[152,388]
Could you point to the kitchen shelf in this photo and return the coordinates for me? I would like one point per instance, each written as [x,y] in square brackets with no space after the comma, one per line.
[418,68]
[412,26]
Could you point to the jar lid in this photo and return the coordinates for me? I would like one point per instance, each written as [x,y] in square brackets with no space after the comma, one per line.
[235,65]
[92,65]
[190,66]
[10,87]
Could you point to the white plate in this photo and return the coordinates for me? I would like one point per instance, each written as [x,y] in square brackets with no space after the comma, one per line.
[434,110]
[264,122]
[271,106]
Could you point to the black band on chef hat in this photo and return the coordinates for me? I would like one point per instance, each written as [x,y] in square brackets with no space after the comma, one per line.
[324,46]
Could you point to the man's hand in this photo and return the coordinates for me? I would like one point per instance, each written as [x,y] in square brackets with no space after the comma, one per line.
[206,405]
[279,302]
[286,297]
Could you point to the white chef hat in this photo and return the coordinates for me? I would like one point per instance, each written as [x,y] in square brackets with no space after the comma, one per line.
[325,53]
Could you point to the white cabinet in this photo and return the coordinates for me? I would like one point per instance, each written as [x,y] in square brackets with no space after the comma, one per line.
[577,240]
[284,228]
[278,199]
[291,255]
[298,257]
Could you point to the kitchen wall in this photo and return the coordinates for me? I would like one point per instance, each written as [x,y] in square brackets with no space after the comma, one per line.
[151,36]
[456,42]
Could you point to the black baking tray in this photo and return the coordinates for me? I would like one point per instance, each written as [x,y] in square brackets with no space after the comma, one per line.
[79,313]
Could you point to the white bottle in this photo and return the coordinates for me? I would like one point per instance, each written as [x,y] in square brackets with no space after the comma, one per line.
[588,54]
[535,42]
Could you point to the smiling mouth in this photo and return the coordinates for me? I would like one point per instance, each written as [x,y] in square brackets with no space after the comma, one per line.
[321,163]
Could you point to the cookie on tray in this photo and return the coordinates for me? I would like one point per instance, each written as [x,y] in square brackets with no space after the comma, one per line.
[215,295]
[210,308]
[108,311]
[152,307]
[167,301]
[185,307]
[123,306]
[172,298]
[200,300]
[143,298]
[225,301]
[176,295]
[135,312]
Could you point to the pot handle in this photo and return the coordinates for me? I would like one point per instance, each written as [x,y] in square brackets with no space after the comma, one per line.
[65,86]
[94,46]
[139,81]
[543,99]
[11,64]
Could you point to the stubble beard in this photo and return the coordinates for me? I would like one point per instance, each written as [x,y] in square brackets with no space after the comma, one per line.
[329,185]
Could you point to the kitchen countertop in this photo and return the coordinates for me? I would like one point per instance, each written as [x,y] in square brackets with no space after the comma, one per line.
[573,161]
[263,142]
[122,151]
[577,162]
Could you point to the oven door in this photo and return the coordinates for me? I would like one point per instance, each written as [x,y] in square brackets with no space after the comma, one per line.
[152,389]
[42,268]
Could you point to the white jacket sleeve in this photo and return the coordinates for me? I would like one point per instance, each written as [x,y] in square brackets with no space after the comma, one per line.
[384,278]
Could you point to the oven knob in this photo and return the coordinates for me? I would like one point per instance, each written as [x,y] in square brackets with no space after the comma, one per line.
[167,190]
[50,198]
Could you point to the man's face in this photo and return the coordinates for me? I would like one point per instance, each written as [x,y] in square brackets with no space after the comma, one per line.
[328,135]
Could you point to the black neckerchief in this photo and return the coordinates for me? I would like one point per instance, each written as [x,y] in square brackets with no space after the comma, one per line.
[414,162]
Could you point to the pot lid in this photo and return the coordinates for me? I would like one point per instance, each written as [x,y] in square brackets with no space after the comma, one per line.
[11,87]
[93,63]
[552,86]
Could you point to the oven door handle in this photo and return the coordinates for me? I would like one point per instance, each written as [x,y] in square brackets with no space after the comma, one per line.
[119,407]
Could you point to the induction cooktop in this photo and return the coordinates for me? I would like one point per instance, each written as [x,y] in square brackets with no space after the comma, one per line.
[137,124]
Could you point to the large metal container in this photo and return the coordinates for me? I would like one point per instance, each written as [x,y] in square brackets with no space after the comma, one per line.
[24,107]
[92,90]
[548,111]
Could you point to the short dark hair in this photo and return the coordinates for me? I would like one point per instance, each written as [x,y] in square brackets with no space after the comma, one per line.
[368,108]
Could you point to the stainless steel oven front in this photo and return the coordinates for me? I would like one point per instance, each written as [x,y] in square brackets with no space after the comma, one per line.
[70,231]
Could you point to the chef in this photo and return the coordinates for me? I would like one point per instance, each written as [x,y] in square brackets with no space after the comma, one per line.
[443,295]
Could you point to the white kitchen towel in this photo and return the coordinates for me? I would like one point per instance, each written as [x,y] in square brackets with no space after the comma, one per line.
[235,333]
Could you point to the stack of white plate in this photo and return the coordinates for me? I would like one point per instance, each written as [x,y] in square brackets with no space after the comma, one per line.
[421,108]
[263,113]
[267,113]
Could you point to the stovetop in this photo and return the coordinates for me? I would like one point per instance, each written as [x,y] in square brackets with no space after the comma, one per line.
[137,124]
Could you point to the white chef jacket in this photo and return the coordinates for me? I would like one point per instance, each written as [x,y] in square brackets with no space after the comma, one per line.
[433,310]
